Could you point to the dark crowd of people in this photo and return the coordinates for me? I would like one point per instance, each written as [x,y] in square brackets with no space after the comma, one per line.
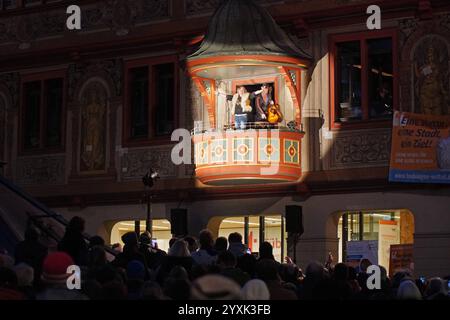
[192,269]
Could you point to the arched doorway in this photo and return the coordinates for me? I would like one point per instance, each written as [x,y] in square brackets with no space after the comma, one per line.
[385,237]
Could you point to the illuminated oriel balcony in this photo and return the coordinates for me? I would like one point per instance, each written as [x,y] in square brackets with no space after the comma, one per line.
[245,67]
[254,156]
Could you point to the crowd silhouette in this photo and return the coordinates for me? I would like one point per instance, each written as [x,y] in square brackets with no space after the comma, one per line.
[203,269]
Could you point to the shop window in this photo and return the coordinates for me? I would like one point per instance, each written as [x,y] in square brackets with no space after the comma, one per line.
[370,234]
[151,98]
[253,228]
[17,4]
[161,232]
[42,113]
[349,81]
[30,3]
[54,98]
[164,98]
[363,75]
[139,93]
[381,78]
[8,4]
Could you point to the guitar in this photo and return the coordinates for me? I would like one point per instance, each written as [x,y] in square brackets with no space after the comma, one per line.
[274,114]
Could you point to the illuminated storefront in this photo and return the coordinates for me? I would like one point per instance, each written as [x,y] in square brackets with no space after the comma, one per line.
[161,231]
[370,234]
[254,228]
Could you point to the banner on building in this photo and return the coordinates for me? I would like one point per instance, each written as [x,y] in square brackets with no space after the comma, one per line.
[420,148]
[357,250]
[401,258]
[388,235]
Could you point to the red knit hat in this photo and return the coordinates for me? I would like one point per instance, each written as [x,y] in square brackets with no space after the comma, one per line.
[55,267]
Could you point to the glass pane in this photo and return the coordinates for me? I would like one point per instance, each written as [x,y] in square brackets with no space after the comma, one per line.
[353,227]
[253,234]
[32,99]
[9,4]
[29,3]
[165,93]
[54,99]
[274,235]
[161,232]
[381,78]
[348,79]
[139,101]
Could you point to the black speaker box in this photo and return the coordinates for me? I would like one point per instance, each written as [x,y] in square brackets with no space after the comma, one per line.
[294,219]
[178,221]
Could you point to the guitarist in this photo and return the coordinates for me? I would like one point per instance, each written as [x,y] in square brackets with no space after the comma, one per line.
[263,101]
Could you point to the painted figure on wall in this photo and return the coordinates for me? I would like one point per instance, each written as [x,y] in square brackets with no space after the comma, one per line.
[93,128]
[431,66]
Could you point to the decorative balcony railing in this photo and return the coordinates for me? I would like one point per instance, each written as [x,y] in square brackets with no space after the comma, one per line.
[248,157]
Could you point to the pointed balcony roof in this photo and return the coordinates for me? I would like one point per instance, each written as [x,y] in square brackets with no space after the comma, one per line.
[243,28]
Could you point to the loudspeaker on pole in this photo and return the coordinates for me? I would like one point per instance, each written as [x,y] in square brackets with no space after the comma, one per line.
[294,220]
[178,221]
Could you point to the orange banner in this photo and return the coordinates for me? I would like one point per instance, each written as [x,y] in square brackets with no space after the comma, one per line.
[420,148]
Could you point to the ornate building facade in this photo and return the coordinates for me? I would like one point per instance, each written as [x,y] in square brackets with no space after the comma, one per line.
[84,114]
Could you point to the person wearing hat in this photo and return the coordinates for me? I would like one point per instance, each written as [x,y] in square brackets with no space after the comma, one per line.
[215,287]
[55,276]
[130,252]
[255,289]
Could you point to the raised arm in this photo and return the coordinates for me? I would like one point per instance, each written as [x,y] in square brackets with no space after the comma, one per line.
[254,94]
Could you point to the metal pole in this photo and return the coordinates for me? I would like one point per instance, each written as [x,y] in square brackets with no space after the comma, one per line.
[148,222]
[344,236]
[262,230]
[137,227]
[295,238]
[246,230]
[361,226]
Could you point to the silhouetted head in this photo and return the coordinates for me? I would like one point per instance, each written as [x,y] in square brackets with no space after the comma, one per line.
[130,239]
[235,237]
[206,239]
[76,224]
[266,251]
[96,241]
[192,243]
[179,249]
[221,244]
